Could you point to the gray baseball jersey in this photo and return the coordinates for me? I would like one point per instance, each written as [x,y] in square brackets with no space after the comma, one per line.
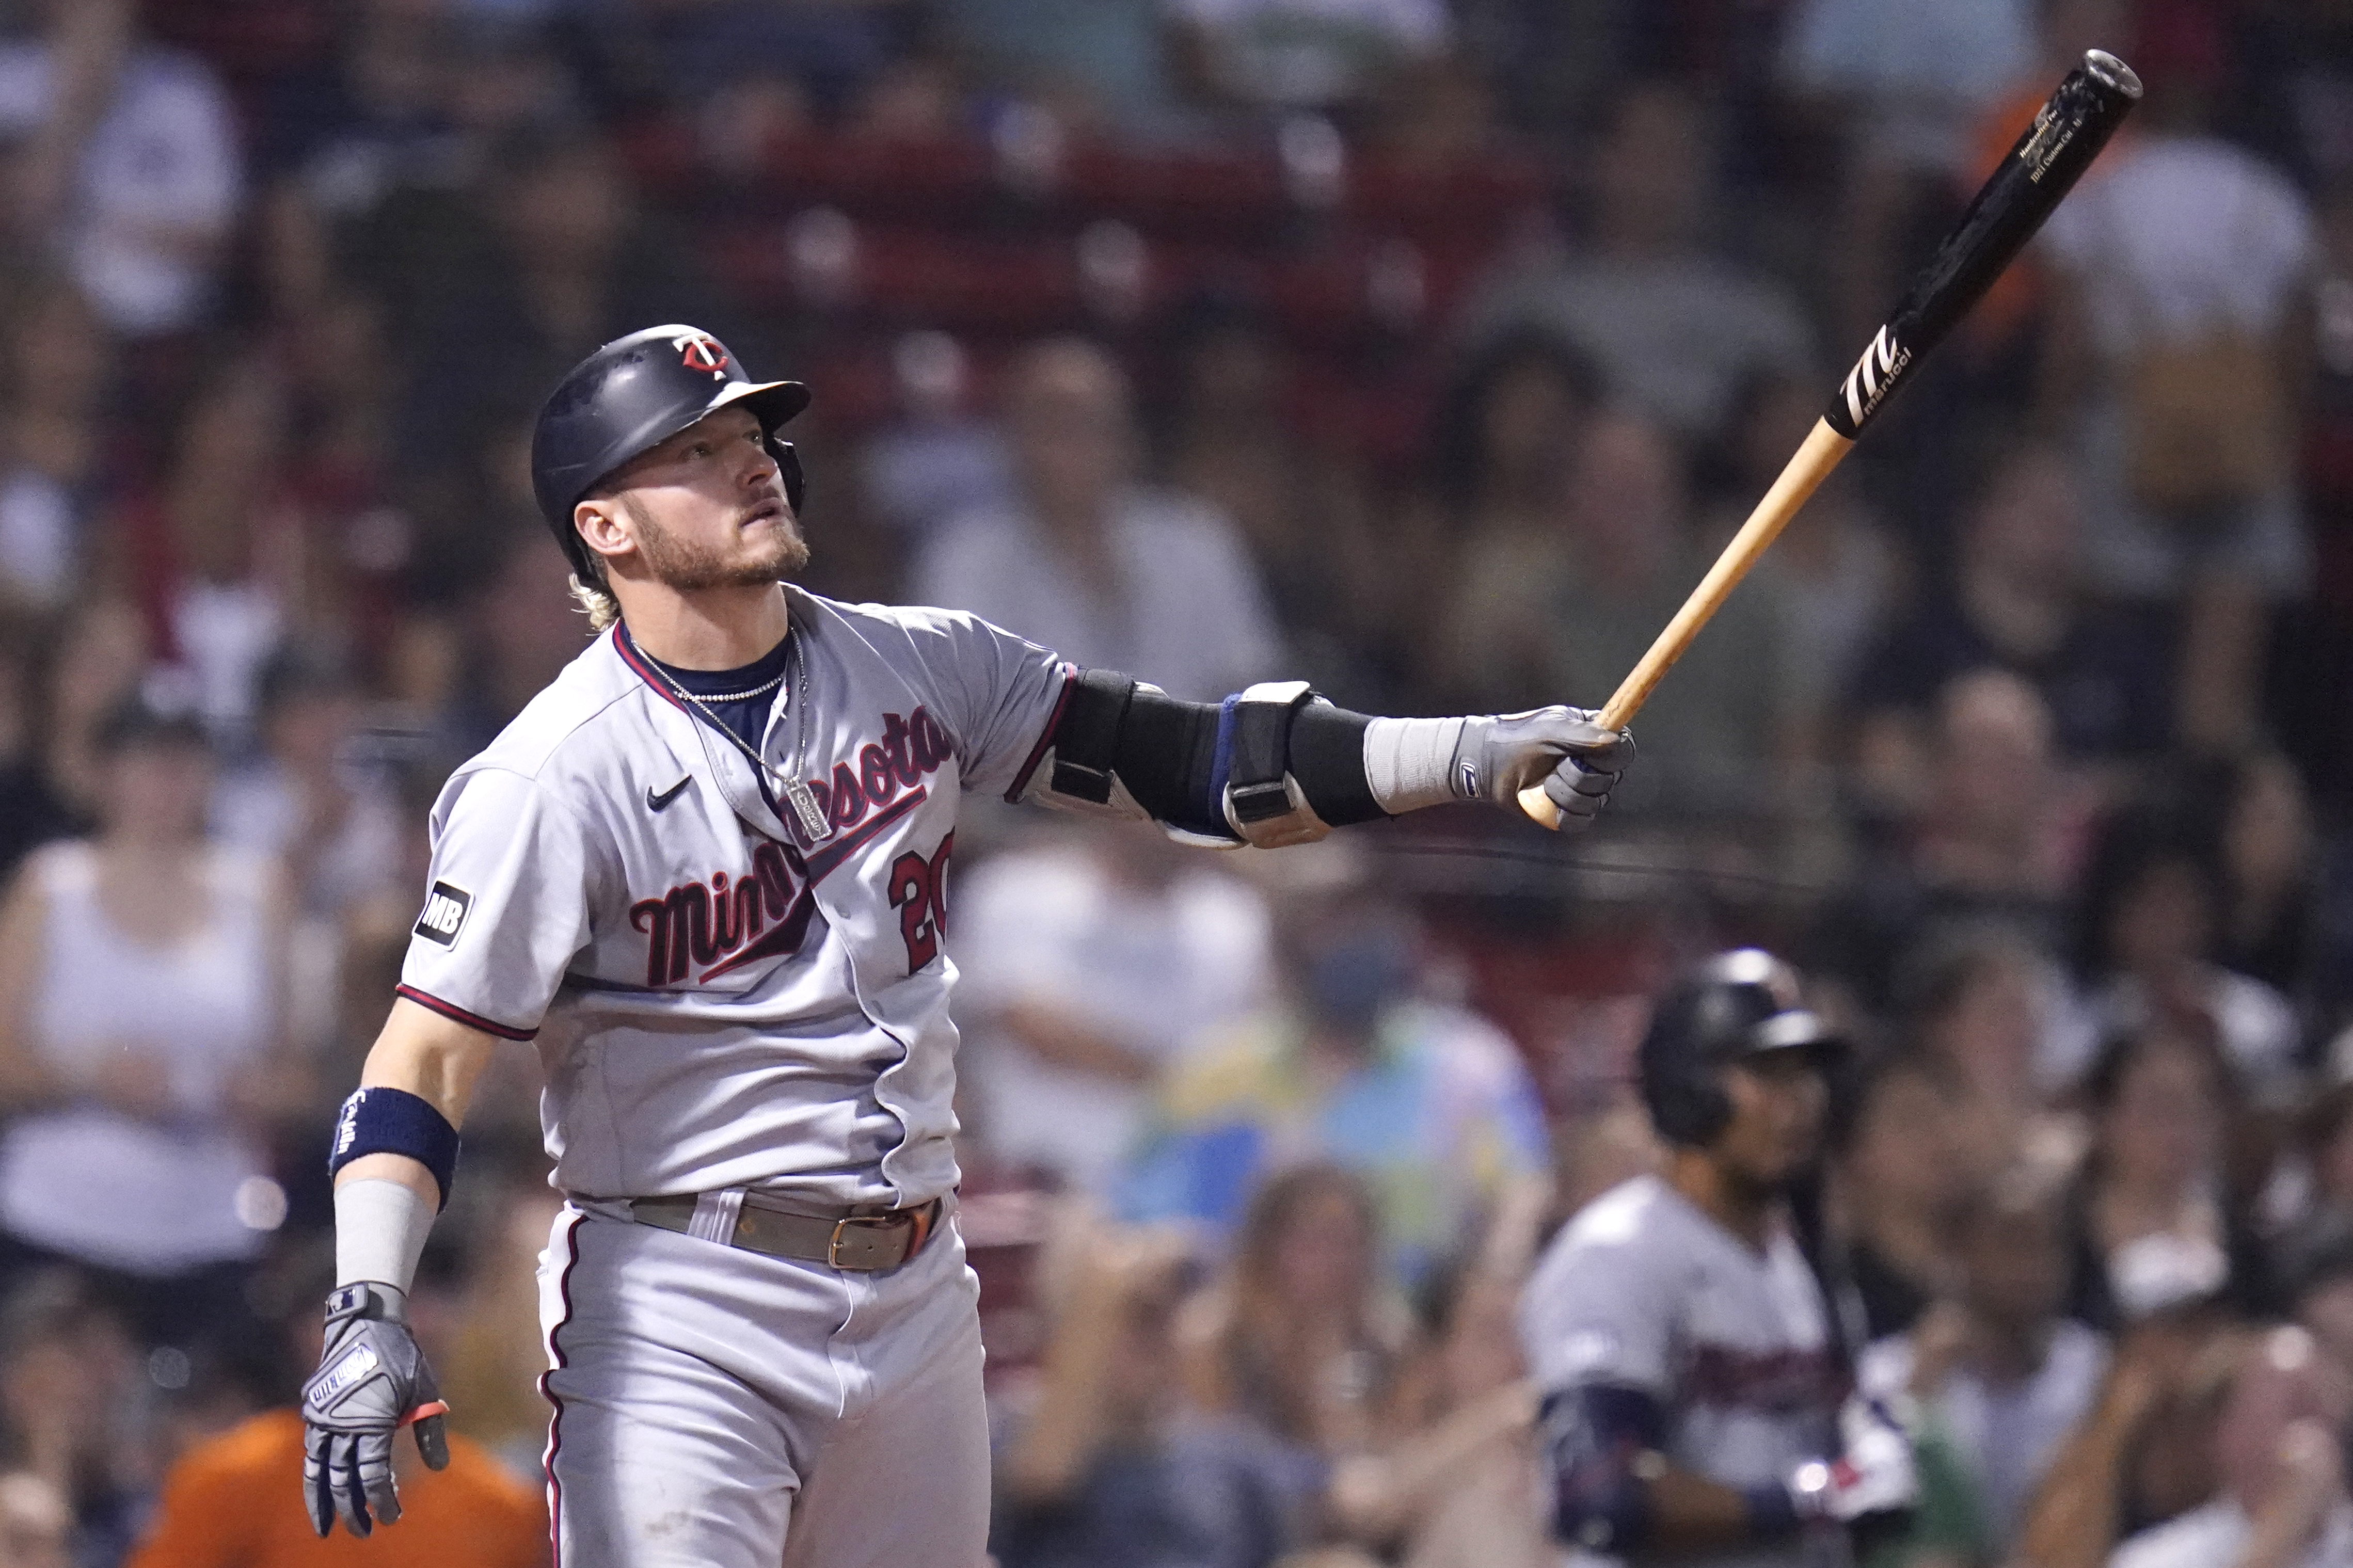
[719,998]
[1642,1290]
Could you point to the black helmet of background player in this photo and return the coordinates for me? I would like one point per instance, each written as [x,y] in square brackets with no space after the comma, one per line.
[1737,1007]
[633,393]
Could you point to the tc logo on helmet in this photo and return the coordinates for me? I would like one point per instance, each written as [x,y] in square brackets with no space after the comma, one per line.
[701,351]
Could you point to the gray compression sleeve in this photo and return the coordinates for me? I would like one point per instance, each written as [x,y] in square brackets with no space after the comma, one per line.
[380,1230]
[1408,763]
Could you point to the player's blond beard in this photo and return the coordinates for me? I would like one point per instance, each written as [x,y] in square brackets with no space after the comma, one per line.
[691,568]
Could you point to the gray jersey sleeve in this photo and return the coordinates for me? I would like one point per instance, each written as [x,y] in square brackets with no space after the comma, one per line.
[507,906]
[995,693]
[1599,1309]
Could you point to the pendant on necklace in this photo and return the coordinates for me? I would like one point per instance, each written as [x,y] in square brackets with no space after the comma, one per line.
[804,803]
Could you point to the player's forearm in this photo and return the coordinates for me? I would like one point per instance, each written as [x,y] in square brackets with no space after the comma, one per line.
[1374,1496]
[2073,1520]
[1277,765]
[1063,1433]
[395,1150]
[1614,1490]
[1078,1412]
[1057,1037]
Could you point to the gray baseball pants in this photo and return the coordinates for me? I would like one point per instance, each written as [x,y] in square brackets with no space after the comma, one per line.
[717,1408]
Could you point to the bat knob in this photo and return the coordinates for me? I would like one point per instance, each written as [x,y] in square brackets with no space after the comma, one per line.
[2111,72]
[1539,807]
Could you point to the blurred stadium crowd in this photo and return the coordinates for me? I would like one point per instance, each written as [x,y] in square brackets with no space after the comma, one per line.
[1426,348]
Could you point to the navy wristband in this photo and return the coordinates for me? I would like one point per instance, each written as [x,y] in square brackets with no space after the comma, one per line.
[1208,813]
[1772,1513]
[394,1121]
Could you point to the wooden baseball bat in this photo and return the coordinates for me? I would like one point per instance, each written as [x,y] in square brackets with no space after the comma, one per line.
[2068,132]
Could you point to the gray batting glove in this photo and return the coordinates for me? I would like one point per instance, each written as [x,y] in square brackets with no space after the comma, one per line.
[371,1380]
[1575,760]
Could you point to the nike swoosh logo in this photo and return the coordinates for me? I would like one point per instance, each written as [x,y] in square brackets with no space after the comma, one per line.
[656,801]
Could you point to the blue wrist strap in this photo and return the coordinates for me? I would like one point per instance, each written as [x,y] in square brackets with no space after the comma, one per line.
[394,1121]
[1210,808]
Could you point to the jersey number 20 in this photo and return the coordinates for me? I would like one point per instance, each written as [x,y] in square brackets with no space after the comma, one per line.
[919,891]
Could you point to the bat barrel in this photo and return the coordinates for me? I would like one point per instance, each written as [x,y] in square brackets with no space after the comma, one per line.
[2050,155]
[2067,135]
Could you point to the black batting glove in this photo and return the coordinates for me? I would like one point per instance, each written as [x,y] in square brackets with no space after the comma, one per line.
[371,1380]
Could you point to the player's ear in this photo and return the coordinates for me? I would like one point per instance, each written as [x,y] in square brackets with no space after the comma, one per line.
[603,526]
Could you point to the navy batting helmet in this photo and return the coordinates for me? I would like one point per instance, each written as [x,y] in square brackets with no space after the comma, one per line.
[633,393]
[1737,1003]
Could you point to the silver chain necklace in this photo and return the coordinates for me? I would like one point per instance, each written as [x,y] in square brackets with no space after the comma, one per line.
[706,700]
[803,802]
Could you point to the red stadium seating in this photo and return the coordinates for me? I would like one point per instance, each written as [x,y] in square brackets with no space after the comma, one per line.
[1231,195]
[869,238]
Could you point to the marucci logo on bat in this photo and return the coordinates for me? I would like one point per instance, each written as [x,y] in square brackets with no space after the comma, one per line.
[1873,375]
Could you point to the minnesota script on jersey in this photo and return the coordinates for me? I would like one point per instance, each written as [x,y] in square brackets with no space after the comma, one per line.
[719,1000]
[1642,1290]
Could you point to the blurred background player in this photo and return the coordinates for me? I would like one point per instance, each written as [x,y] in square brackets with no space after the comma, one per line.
[1692,1376]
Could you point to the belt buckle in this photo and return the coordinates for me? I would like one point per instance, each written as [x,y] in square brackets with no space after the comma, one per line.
[833,1242]
[869,1226]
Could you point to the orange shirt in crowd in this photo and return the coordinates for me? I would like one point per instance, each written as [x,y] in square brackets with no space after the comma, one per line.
[237,1502]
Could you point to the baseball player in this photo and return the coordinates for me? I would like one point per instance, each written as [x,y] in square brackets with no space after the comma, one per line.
[706,872]
[1693,1388]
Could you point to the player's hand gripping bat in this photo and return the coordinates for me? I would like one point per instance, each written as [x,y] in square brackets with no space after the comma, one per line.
[2066,135]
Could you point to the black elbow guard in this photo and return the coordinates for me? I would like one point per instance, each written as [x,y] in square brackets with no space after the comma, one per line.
[1327,758]
[1271,765]
[1597,1441]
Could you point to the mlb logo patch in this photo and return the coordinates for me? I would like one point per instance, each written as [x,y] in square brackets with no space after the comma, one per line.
[445,914]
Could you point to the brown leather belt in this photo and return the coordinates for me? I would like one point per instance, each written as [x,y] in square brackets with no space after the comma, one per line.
[868,1242]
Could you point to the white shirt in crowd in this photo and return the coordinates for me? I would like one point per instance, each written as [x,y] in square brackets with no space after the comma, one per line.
[1308,53]
[255,808]
[2006,1435]
[2257,1029]
[1189,614]
[2180,234]
[160,163]
[39,537]
[1152,969]
[1922,75]
[226,632]
[99,1185]
[1677,337]
[2214,1536]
